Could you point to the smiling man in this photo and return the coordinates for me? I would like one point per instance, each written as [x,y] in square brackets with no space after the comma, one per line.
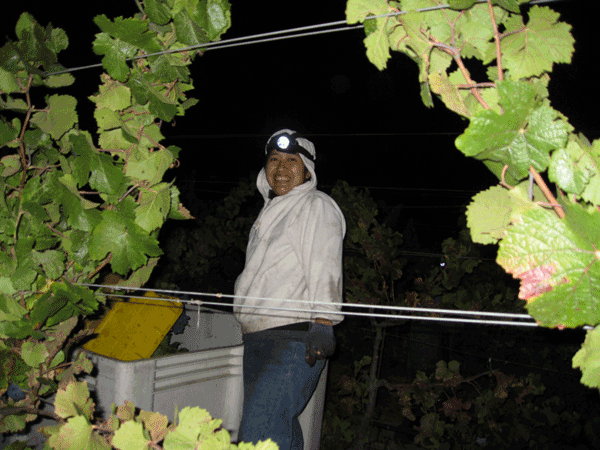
[294,252]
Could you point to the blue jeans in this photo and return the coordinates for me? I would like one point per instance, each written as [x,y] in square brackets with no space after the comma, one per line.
[278,383]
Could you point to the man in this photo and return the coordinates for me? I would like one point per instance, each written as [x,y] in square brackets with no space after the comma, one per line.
[294,252]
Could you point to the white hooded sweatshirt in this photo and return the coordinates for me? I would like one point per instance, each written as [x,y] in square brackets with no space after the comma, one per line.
[294,252]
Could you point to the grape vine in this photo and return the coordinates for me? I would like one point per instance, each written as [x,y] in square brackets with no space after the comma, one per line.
[74,204]
[549,241]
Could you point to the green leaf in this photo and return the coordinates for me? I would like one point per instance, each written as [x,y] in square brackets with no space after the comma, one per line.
[159,105]
[588,359]
[59,116]
[46,306]
[106,177]
[115,54]
[130,436]
[358,10]
[195,426]
[177,210]
[6,286]
[74,400]
[450,94]
[8,133]
[189,32]
[169,68]
[576,169]
[62,80]
[130,31]
[140,276]
[149,166]
[53,262]
[461,4]
[34,354]
[155,203]
[129,245]
[157,11]
[8,82]
[558,264]
[564,172]
[10,309]
[522,136]
[107,119]
[510,5]
[113,95]
[214,16]
[529,51]
[78,433]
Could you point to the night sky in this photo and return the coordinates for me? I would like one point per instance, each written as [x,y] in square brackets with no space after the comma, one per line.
[359,118]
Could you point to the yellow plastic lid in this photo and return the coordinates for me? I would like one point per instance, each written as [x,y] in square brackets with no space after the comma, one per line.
[133,330]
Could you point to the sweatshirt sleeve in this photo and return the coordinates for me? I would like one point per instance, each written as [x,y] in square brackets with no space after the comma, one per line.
[319,245]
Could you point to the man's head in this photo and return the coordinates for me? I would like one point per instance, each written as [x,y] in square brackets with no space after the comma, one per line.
[285,168]
[285,171]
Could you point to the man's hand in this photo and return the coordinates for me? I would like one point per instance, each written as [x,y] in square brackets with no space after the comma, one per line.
[320,342]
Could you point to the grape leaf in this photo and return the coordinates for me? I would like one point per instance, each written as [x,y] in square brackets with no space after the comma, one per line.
[157,11]
[77,433]
[521,137]
[155,423]
[33,354]
[158,104]
[154,205]
[558,264]
[450,94]
[531,50]
[189,32]
[126,241]
[132,31]
[58,117]
[149,166]
[130,436]
[376,41]
[178,211]
[510,5]
[214,16]
[113,95]
[8,82]
[106,177]
[195,425]
[492,211]
[588,359]
[115,54]
[576,168]
[378,44]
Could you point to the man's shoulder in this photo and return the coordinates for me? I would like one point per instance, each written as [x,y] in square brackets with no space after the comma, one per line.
[317,196]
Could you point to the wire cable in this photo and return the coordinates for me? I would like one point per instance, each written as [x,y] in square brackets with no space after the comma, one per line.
[345,313]
[277,35]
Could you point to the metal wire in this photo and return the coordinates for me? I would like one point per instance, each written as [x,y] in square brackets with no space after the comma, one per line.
[344,313]
[259,38]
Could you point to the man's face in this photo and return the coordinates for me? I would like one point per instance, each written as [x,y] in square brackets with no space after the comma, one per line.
[285,171]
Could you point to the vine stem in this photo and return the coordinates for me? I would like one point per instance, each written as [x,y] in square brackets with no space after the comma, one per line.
[497,40]
[21,137]
[455,53]
[102,264]
[551,199]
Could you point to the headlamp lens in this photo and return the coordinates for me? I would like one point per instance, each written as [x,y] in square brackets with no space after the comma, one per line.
[283,142]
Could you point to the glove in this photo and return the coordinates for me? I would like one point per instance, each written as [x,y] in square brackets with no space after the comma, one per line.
[320,343]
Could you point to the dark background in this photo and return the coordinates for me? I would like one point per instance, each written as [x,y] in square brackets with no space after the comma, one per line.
[370,128]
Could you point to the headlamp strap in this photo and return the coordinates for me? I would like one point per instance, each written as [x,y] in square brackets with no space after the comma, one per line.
[288,143]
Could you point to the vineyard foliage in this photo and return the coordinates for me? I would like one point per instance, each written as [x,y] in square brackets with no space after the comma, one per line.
[549,241]
[75,204]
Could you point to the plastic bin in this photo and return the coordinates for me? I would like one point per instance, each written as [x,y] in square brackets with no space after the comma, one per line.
[208,376]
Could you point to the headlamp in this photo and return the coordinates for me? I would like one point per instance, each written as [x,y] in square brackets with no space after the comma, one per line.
[287,143]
